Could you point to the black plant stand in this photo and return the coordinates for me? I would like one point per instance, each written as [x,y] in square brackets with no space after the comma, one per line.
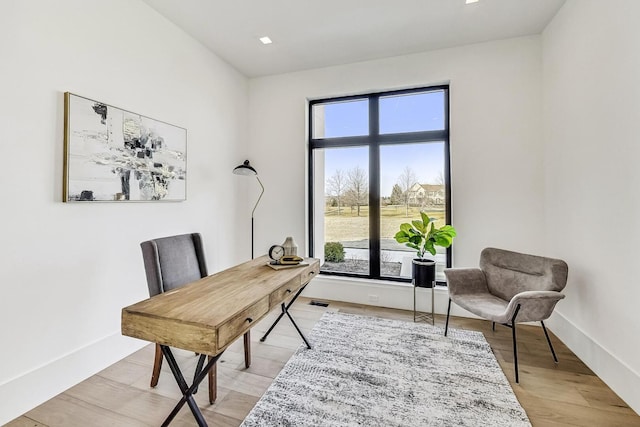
[423,276]
[423,316]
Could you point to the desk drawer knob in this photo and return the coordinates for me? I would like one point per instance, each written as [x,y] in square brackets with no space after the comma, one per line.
[249,319]
[288,291]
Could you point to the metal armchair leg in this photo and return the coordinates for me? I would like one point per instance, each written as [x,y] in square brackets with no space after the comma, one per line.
[515,344]
[446,325]
[546,334]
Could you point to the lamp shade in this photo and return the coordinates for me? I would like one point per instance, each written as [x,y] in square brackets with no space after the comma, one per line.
[245,169]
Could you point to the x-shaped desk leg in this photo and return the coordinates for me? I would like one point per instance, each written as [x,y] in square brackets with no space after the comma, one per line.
[188,391]
[285,310]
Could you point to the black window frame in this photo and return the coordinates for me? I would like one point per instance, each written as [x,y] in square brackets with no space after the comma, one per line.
[374,140]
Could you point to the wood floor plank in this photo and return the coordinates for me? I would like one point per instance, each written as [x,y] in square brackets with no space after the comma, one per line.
[67,411]
[185,419]
[563,394]
[236,405]
[126,372]
[24,422]
[542,411]
[262,366]
[244,382]
[103,392]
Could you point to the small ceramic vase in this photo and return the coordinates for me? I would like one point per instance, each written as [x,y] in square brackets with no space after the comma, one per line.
[290,247]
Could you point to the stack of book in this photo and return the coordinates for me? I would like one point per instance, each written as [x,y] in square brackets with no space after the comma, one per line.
[287,261]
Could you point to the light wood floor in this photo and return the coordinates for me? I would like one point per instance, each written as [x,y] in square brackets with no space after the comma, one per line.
[567,394]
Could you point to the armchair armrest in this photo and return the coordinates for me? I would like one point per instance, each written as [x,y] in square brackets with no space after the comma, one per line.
[465,281]
[535,306]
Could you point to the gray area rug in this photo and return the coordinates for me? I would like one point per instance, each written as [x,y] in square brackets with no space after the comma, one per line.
[366,371]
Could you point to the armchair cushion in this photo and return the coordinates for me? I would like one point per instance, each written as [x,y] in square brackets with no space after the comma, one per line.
[485,305]
[466,281]
[534,305]
[509,273]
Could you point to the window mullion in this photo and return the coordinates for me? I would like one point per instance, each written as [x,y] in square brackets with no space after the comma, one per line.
[374,188]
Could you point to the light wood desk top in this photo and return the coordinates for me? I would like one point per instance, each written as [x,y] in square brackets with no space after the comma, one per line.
[209,314]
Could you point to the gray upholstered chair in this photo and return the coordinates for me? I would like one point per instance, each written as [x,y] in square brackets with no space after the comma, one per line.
[171,262]
[509,287]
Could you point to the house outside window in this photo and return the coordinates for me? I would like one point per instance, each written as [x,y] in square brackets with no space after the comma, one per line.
[376,161]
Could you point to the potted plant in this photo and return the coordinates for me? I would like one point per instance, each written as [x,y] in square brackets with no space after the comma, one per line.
[423,236]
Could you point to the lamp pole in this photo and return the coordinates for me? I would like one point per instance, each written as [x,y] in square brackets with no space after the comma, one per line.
[247,170]
[254,210]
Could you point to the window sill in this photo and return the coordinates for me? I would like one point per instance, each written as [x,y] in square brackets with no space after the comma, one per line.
[362,281]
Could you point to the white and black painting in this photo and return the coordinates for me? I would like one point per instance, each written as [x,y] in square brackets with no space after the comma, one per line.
[116,155]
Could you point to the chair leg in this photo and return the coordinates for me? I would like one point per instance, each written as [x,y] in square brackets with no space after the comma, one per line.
[546,334]
[247,349]
[515,345]
[493,326]
[213,383]
[157,364]
[446,325]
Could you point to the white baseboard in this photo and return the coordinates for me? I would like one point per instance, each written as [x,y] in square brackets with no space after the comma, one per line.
[381,294]
[623,380]
[26,391]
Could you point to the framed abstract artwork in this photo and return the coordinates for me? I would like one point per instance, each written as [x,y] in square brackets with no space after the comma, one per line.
[111,154]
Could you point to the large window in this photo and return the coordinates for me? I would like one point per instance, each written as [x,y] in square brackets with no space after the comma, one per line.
[376,161]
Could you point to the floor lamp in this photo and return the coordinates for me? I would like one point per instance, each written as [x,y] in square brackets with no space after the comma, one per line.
[247,170]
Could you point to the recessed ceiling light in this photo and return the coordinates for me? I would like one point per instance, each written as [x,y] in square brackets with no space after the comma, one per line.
[471,1]
[267,40]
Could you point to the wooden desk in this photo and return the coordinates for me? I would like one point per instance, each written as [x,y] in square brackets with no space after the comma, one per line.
[206,316]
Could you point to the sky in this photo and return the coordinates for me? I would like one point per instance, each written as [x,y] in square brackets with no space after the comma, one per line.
[401,113]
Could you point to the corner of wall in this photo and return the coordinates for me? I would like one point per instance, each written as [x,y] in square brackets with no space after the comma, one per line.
[614,372]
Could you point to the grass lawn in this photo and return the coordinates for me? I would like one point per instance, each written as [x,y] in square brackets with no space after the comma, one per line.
[348,226]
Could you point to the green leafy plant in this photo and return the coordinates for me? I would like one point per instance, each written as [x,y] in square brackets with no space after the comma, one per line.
[423,236]
[333,252]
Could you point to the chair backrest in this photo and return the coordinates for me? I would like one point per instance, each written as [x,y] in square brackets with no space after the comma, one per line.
[173,261]
[509,273]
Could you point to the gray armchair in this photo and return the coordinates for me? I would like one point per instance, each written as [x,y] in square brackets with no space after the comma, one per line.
[171,262]
[509,287]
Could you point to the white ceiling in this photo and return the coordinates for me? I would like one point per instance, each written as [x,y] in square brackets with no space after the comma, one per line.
[318,33]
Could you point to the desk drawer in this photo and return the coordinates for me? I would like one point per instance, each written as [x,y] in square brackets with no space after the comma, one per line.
[241,322]
[309,273]
[283,292]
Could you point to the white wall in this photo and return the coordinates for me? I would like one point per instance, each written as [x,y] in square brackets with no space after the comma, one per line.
[592,182]
[496,129]
[68,269]
[559,183]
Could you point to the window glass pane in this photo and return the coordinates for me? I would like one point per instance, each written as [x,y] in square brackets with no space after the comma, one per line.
[412,112]
[336,119]
[411,181]
[346,210]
